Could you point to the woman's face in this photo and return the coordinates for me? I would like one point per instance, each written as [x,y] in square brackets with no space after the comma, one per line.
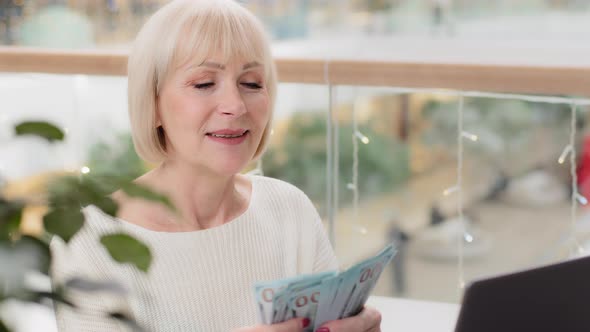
[214,114]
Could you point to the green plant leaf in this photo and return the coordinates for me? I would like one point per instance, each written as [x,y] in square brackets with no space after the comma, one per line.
[64,222]
[135,190]
[41,129]
[126,249]
[10,218]
[103,158]
[72,191]
[94,192]
[95,189]
[3,327]
[63,192]
[106,204]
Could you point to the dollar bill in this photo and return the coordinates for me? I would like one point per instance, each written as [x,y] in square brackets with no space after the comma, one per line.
[283,304]
[347,293]
[364,284]
[321,297]
[327,304]
[304,301]
[266,292]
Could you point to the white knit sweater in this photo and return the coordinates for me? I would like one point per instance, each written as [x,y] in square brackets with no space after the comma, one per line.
[199,280]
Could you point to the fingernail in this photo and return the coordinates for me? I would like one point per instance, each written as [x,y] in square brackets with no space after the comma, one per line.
[305,322]
[323,329]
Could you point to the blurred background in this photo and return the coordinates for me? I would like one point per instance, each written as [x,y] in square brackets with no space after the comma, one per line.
[516,195]
[114,23]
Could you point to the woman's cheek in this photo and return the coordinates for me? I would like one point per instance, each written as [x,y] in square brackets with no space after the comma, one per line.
[260,102]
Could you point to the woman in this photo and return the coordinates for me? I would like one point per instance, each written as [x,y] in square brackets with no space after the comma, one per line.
[201,89]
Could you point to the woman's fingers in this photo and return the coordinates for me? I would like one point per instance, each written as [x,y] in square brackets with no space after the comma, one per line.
[292,325]
[368,320]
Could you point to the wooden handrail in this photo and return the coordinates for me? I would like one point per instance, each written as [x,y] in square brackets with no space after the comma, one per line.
[551,79]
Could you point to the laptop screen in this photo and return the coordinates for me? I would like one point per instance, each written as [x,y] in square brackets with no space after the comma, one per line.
[550,298]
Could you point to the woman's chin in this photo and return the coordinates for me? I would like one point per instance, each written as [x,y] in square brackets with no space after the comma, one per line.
[229,172]
[229,168]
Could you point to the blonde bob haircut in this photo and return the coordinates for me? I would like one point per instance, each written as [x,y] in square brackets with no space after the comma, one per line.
[190,31]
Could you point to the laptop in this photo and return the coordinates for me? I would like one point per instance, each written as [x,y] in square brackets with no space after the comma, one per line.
[552,298]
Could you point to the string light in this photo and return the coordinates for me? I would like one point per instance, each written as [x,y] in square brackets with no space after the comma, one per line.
[85,170]
[362,137]
[450,190]
[459,187]
[581,199]
[570,239]
[469,136]
[466,236]
[564,154]
[576,196]
[356,136]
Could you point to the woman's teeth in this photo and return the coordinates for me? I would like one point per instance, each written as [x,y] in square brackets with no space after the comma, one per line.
[229,136]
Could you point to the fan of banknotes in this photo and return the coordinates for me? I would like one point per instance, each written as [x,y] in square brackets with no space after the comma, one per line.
[321,297]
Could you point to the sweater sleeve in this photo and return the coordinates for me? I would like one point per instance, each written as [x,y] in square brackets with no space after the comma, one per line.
[92,308]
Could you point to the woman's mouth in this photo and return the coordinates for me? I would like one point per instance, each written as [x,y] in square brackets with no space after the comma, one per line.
[229,137]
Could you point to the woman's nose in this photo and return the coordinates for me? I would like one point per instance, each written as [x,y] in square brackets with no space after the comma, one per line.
[232,103]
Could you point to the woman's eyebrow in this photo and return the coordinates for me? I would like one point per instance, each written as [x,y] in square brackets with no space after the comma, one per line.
[212,65]
[216,65]
[250,65]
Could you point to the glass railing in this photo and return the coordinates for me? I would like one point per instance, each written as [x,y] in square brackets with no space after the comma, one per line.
[375,159]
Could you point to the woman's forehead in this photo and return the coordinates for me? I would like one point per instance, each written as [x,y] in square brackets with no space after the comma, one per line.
[229,50]
[217,61]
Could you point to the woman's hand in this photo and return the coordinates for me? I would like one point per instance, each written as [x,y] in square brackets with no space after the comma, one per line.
[368,320]
[292,325]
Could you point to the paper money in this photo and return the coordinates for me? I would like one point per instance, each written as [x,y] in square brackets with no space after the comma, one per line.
[327,308]
[303,302]
[321,297]
[347,293]
[364,279]
[283,304]
[265,293]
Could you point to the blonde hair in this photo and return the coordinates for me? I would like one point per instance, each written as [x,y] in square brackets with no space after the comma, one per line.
[186,31]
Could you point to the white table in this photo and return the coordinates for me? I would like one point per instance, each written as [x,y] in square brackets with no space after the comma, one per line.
[401,315]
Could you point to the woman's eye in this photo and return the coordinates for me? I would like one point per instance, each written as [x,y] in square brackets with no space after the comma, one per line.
[252,85]
[204,86]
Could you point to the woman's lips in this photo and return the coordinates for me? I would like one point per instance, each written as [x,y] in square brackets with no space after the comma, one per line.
[228,137]
[228,132]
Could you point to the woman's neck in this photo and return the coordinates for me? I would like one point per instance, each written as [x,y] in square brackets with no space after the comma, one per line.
[203,199]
